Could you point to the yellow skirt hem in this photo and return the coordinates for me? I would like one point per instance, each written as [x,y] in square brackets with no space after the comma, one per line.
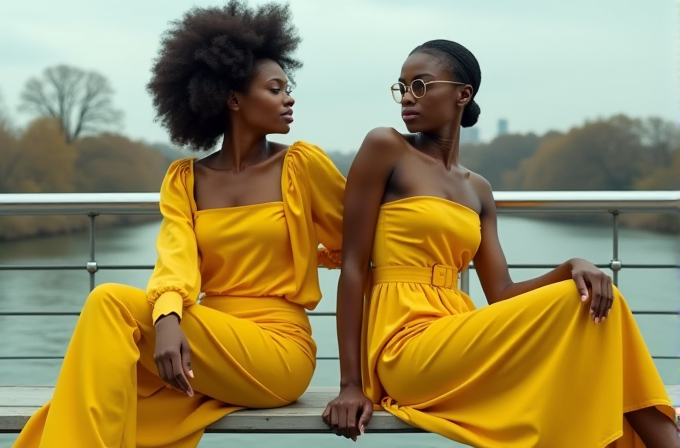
[617,435]
[648,404]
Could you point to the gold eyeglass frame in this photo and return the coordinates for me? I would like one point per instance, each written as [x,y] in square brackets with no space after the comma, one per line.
[395,88]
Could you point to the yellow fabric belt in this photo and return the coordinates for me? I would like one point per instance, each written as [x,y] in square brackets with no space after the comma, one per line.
[438,275]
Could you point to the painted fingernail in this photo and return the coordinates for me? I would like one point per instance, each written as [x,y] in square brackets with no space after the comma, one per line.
[583,298]
[191,373]
[597,320]
[361,430]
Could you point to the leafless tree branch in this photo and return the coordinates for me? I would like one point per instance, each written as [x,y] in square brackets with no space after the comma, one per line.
[81,101]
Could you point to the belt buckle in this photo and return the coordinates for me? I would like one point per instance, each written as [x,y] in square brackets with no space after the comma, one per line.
[443,276]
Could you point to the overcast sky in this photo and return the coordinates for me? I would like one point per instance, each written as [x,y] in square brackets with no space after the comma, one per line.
[546,64]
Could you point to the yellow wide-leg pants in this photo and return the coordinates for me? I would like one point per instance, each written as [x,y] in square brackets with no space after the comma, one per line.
[245,352]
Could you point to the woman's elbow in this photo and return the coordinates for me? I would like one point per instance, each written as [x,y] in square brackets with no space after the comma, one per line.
[353,269]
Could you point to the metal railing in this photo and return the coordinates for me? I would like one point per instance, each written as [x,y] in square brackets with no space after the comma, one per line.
[97,204]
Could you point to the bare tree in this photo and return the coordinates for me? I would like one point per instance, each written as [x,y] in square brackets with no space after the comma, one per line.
[81,101]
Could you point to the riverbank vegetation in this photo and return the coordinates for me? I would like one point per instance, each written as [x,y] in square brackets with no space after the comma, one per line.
[73,145]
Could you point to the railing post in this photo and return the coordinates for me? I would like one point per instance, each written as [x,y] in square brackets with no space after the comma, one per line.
[615,263]
[465,281]
[92,262]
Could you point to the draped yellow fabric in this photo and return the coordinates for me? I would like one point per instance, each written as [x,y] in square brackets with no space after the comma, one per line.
[250,337]
[532,371]
[311,186]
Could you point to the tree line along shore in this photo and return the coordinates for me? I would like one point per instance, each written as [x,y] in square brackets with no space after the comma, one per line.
[72,145]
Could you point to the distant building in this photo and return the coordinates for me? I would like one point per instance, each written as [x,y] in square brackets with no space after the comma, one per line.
[469,136]
[502,127]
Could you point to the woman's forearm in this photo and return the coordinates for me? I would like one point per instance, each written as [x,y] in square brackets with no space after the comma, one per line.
[560,273]
[349,318]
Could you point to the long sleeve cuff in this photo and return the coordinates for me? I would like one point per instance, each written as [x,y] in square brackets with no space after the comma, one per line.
[330,259]
[168,303]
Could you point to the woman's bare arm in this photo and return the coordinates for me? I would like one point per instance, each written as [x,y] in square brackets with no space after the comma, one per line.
[366,181]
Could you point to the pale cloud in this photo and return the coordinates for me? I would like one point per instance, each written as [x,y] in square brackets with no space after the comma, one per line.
[545,64]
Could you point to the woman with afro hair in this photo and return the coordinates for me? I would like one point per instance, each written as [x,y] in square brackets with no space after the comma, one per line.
[241,227]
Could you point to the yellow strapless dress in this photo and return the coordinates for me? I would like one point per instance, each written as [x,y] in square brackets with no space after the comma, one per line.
[532,371]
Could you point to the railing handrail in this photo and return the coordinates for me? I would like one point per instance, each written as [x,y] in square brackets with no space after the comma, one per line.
[95,204]
[506,201]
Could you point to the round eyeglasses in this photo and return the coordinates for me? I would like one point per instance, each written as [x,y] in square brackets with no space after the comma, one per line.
[418,88]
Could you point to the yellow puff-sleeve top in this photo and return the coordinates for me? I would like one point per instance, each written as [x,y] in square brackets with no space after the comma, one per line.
[313,193]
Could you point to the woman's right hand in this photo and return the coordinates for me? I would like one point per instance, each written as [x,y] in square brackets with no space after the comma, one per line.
[349,413]
[172,354]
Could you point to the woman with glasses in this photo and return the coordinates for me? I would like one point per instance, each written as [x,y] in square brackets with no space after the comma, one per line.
[241,227]
[555,362]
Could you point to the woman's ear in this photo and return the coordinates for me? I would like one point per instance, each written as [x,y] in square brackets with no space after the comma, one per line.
[465,96]
[232,102]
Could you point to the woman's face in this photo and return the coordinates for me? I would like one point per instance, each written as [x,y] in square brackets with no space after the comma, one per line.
[440,103]
[267,106]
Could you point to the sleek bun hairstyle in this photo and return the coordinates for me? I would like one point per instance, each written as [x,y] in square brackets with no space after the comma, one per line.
[464,67]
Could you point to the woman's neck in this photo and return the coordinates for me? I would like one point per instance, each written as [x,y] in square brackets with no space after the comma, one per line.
[442,146]
[241,149]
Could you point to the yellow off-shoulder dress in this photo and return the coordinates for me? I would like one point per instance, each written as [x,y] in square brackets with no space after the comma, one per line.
[250,337]
[532,371]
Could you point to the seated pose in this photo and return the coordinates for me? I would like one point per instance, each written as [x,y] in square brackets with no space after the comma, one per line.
[241,226]
[554,362]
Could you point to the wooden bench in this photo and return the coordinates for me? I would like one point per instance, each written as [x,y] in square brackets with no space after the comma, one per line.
[17,404]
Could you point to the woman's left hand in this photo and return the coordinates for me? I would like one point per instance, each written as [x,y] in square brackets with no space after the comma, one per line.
[594,284]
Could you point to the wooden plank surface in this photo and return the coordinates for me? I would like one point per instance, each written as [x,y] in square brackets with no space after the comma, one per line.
[17,404]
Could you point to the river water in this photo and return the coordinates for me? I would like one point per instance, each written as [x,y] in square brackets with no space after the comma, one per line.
[524,241]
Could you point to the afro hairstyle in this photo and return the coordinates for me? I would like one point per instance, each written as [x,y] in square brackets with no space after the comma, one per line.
[210,52]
